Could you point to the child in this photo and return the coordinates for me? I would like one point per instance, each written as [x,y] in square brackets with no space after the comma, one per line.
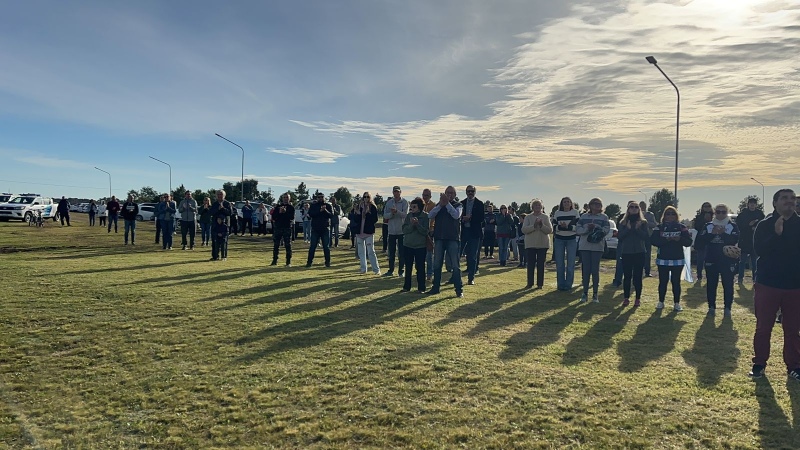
[221,236]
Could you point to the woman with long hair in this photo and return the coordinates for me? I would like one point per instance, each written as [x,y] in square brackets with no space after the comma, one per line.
[721,232]
[206,221]
[704,215]
[670,237]
[415,236]
[565,243]
[632,239]
[592,228]
[537,228]
[366,216]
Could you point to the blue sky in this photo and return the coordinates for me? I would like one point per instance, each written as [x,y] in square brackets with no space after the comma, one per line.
[523,99]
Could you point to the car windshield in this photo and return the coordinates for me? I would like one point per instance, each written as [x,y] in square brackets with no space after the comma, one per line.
[23,200]
[4,198]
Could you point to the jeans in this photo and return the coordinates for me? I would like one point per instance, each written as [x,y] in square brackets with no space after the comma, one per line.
[471,249]
[285,235]
[396,248]
[429,263]
[414,260]
[91,219]
[219,247]
[715,271]
[502,249]
[188,227]
[451,249]
[64,216]
[307,231]
[130,225]
[335,232]
[753,264]
[112,218]
[768,301]
[365,247]
[564,254]
[158,229]
[536,258]
[632,271]
[590,268]
[246,222]
[167,228]
[205,233]
[514,248]
[618,267]
[323,235]
[667,274]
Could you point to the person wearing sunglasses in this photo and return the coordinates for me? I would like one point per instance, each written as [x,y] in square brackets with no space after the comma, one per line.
[633,236]
[717,234]
[670,237]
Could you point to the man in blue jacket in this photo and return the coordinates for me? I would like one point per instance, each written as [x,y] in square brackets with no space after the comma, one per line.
[472,217]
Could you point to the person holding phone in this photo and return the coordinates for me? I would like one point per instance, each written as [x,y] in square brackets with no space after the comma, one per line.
[282,223]
[415,235]
[747,221]
[320,213]
[365,216]
[537,229]
[671,236]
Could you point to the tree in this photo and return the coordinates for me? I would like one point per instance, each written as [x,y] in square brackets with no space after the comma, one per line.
[514,206]
[612,211]
[301,192]
[198,195]
[379,201]
[148,195]
[134,194]
[524,207]
[660,200]
[743,203]
[267,196]
[178,193]
[344,198]
[231,191]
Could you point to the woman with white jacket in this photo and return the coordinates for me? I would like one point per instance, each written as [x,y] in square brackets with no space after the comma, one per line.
[537,229]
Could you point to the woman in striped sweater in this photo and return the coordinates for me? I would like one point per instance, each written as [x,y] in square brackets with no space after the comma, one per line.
[565,243]
[670,236]
[591,246]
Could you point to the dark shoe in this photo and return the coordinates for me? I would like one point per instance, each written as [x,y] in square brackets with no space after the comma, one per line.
[308,265]
[433,292]
[327,264]
[388,274]
[530,286]
[400,274]
[471,282]
[274,262]
[757,371]
[459,295]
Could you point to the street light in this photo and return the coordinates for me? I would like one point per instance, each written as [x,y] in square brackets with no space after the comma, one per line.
[652,60]
[109,181]
[170,173]
[234,143]
[645,195]
[762,189]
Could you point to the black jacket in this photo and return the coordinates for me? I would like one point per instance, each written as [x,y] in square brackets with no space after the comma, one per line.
[475,228]
[130,210]
[746,230]
[282,220]
[370,216]
[320,216]
[713,243]
[223,211]
[670,250]
[778,256]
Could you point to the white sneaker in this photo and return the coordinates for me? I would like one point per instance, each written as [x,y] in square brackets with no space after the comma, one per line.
[660,305]
[677,307]
[595,299]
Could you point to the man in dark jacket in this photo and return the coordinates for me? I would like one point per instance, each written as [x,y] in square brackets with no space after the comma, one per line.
[472,216]
[282,224]
[221,209]
[129,212]
[777,285]
[747,221]
[113,208]
[320,213]
[446,239]
[247,217]
[63,210]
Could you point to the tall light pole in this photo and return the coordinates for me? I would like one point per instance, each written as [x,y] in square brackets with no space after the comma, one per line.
[109,181]
[645,195]
[170,173]
[234,143]
[763,200]
[652,60]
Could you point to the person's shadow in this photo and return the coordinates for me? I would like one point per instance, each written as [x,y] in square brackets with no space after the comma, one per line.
[774,428]
[598,339]
[653,339]
[714,352]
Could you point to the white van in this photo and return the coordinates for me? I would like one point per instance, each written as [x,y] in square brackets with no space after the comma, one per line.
[25,206]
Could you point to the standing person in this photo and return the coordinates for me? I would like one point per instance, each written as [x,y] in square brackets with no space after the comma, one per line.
[261,217]
[651,225]
[336,210]
[489,231]
[617,282]
[505,231]
[113,208]
[777,286]
[716,235]
[129,212]
[394,212]
[670,237]
[365,215]
[415,236]
[429,245]
[514,235]
[282,216]
[632,244]
[92,212]
[747,221]
[168,223]
[102,212]
[188,215]
[233,222]
[306,222]
[320,213]
[247,217]
[206,222]
[351,217]
[537,229]
[220,214]
[565,244]
[520,241]
[63,210]
[472,231]
[705,216]
[159,215]
[447,214]
[592,228]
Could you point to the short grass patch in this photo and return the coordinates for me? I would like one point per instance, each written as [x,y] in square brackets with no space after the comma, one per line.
[108,346]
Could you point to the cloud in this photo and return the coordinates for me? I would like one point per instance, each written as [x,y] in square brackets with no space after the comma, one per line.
[311,156]
[45,161]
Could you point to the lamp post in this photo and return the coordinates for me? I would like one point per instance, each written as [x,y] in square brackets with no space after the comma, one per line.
[170,173]
[645,195]
[234,143]
[763,200]
[109,181]
[652,60]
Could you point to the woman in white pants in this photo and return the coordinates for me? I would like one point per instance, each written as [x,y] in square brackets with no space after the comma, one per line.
[366,216]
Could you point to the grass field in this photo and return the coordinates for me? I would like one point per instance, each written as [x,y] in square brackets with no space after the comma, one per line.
[106,346]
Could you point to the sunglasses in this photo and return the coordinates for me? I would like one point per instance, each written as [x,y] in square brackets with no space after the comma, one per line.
[670,214]
[470,192]
[721,211]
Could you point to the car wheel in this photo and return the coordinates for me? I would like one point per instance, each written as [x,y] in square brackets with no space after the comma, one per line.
[28,217]
[139,218]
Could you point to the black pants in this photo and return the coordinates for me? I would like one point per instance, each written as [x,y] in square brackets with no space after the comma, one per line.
[668,274]
[219,247]
[535,259]
[335,233]
[488,243]
[262,228]
[64,216]
[158,230]
[245,224]
[91,219]
[234,225]
[396,248]
[285,235]
[714,272]
[384,235]
[632,271]
[188,227]
[414,257]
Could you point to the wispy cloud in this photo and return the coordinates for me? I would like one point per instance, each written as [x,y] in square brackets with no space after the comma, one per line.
[310,155]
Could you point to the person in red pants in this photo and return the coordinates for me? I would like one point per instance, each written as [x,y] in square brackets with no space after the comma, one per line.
[777,285]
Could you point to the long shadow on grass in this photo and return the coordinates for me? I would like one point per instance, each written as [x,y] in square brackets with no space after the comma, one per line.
[599,338]
[314,330]
[480,307]
[695,296]
[273,289]
[348,292]
[744,297]
[544,332]
[714,352]
[774,428]
[140,267]
[653,339]
[518,312]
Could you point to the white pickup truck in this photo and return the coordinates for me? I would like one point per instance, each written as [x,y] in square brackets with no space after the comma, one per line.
[25,206]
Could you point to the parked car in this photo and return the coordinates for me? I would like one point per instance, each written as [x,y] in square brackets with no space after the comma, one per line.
[73,208]
[83,208]
[25,206]
[6,197]
[610,251]
[344,223]
[146,213]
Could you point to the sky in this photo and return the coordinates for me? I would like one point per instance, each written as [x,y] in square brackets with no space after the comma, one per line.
[523,99]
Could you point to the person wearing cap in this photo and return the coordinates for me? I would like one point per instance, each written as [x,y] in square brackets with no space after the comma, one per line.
[395,211]
[320,213]
[472,217]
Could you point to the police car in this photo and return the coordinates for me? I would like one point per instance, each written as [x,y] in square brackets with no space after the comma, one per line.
[25,206]
[6,197]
